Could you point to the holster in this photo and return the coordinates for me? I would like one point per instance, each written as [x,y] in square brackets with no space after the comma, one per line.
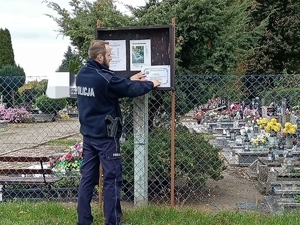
[113,125]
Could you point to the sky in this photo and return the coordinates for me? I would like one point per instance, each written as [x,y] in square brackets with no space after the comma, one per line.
[38,47]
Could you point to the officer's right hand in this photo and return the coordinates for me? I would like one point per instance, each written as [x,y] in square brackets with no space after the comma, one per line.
[155,83]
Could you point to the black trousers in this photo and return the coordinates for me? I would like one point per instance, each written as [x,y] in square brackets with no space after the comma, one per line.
[106,152]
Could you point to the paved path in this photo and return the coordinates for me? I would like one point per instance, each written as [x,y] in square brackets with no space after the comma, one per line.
[15,137]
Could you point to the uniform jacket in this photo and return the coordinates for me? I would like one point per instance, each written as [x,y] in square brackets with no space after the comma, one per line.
[98,91]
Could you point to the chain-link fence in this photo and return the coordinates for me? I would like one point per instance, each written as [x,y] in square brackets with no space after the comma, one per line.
[236,144]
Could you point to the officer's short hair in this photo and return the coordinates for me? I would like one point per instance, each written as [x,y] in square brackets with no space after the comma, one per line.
[97,47]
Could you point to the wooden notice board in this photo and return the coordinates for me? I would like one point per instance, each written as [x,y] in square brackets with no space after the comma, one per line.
[146,48]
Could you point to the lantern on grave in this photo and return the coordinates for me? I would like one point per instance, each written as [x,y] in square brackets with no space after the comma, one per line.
[232,134]
[247,143]
[224,132]
[272,140]
[280,145]
[270,154]
[227,132]
[210,129]
[255,129]
[275,155]
[239,140]
[242,131]
[289,158]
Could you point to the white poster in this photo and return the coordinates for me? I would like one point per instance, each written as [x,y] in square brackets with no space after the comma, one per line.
[140,54]
[118,55]
[161,73]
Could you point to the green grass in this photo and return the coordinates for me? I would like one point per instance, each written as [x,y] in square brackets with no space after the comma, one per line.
[62,142]
[49,213]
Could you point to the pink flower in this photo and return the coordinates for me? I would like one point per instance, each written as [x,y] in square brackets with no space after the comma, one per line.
[68,157]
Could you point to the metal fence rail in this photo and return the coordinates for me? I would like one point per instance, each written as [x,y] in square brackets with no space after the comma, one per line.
[216,167]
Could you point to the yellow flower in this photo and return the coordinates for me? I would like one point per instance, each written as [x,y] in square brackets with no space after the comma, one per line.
[263,140]
[289,128]
[273,125]
[255,141]
[262,122]
[65,116]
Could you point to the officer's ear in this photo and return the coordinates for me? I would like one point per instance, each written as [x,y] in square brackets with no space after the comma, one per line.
[100,58]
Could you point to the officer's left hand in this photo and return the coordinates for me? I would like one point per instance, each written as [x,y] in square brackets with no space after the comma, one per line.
[139,76]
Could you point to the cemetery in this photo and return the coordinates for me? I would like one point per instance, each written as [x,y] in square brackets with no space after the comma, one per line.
[263,140]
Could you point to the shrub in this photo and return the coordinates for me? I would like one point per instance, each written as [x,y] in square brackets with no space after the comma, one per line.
[277,94]
[195,157]
[15,115]
[33,89]
[50,105]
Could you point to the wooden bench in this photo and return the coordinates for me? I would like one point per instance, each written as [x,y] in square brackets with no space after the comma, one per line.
[17,175]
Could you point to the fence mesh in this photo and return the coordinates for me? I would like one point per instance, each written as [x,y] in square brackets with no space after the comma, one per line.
[236,144]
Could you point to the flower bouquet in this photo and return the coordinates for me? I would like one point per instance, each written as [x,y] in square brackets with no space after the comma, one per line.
[273,127]
[260,141]
[288,132]
[262,123]
[199,116]
[250,114]
[289,129]
[69,162]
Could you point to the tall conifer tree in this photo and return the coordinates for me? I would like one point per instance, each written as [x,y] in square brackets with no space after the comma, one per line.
[6,50]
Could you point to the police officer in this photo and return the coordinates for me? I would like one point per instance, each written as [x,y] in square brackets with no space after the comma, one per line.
[98,91]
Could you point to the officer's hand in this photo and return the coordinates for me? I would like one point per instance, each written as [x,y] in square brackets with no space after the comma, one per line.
[138,76]
[155,83]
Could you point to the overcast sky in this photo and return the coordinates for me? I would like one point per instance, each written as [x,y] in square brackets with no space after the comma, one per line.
[38,48]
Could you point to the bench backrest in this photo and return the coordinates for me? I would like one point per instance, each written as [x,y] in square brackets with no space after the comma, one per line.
[37,159]
[24,159]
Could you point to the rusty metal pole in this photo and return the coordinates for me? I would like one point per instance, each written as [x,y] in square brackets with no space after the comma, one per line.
[100,187]
[173,127]
[100,167]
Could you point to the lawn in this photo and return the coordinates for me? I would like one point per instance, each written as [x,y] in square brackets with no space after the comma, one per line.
[50,213]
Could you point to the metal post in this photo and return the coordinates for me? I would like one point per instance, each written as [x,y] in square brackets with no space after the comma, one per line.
[173,131]
[282,112]
[140,129]
[100,187]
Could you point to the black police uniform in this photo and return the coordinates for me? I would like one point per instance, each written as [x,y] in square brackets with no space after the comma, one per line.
[98,91]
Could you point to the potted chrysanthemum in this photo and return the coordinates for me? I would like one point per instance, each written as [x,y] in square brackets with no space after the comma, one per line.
[289,132]
[273,128]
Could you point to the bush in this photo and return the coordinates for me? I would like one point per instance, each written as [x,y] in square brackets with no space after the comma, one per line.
[15,115]
[194,157]
[32,90]
[277,94]
[50,105]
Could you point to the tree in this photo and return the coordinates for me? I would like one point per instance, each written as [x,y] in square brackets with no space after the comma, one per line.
[69,55]
[80,23]
[213,36]
[279,47]
[11,78]
[6,50]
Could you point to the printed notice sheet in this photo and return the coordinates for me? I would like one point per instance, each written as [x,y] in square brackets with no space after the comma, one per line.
[140,54]
[161,73]
[118,55]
